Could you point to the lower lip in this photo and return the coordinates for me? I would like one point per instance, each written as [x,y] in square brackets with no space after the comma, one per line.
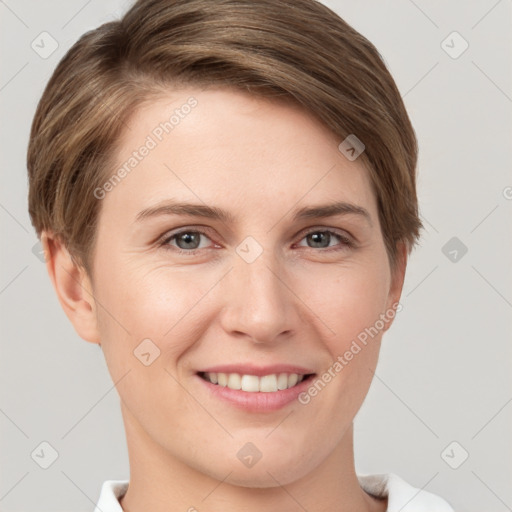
[257,401]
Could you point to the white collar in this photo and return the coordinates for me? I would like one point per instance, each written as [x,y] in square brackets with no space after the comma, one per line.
[402,497]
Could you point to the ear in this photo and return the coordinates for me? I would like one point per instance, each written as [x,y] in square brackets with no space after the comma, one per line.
[397,283]
[73,287]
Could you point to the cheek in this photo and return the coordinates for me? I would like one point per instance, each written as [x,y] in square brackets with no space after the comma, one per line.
[146,324]
[346,300]
[172,307]
[349,302]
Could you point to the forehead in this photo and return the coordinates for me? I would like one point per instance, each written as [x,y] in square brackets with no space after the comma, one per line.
[230,148]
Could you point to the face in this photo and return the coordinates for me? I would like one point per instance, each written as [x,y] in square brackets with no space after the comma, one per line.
[260,296]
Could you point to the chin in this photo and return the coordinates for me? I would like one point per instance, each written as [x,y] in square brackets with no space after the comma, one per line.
[275,471]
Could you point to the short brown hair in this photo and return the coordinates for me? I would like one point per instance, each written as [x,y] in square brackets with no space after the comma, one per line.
[295,50]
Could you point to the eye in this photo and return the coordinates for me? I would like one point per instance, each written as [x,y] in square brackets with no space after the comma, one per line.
[321,238]
[187,241]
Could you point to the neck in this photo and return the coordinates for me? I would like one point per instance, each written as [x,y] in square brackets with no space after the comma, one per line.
[161,482]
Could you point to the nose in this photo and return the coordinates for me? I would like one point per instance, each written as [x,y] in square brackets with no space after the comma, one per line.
[259,304]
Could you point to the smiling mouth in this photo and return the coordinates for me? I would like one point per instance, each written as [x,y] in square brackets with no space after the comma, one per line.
[254,384]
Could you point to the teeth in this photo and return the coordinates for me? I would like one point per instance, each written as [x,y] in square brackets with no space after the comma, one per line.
[268,383]
[234,381]
[292,379]
[252,383]
[282,381]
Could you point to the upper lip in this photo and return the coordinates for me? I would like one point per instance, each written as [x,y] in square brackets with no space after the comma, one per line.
[259,371]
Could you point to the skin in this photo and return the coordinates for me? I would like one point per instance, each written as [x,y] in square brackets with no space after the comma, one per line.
[296,303]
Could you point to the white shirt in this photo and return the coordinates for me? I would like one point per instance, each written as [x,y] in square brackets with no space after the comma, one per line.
[402,497]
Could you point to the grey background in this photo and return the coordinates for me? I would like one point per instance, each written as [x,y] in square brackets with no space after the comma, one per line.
[445,368]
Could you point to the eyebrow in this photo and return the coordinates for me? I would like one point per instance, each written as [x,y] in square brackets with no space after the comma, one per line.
[212,212]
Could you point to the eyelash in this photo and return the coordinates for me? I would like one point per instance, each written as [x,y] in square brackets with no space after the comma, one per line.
[347,243]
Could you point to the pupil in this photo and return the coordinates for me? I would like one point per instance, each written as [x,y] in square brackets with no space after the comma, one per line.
[317,237]
[188,238]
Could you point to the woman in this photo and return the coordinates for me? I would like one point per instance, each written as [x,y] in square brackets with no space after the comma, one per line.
[225,191]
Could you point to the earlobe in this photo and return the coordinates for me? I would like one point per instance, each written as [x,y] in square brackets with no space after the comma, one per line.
[73,287]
